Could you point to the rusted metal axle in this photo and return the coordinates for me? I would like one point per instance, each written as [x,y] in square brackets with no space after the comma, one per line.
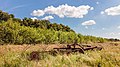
[77,48]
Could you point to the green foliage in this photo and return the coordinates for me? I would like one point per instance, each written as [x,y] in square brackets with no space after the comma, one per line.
[5,16]
[26,31]
[13,32]
[43,24]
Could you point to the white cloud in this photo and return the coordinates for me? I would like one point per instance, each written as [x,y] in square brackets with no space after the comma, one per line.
[91,8]
[102,12]
[34,18]
[16,7]
[103,28]
[97,2]
[64,11]
[112,33]
[88,23]
[118,27]
[37,13]
[48,17]
[86,27]
[113,10]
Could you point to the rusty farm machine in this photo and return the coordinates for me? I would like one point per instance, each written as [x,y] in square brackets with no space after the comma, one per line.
[76,48]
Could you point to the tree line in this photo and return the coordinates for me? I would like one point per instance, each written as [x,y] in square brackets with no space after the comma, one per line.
[26,31]
[43,24]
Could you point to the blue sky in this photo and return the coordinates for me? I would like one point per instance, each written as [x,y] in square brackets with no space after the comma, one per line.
[88,17]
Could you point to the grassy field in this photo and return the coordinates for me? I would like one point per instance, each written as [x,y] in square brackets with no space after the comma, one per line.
[17,56]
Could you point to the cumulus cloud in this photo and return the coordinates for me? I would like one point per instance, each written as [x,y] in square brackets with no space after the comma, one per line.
[113,10]
[91,8]
[64,11]
[48,18]
[88,23]
[37,13]
[34,18]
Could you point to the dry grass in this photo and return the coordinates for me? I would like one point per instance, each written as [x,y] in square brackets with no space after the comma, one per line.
[16,56]
[25,47]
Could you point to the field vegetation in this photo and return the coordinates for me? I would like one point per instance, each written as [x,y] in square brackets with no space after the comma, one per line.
[20,37]
[18,56]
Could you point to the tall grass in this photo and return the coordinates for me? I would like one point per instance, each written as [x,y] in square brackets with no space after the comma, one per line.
[109,57]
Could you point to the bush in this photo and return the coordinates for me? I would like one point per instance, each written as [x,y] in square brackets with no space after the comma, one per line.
[12,32]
